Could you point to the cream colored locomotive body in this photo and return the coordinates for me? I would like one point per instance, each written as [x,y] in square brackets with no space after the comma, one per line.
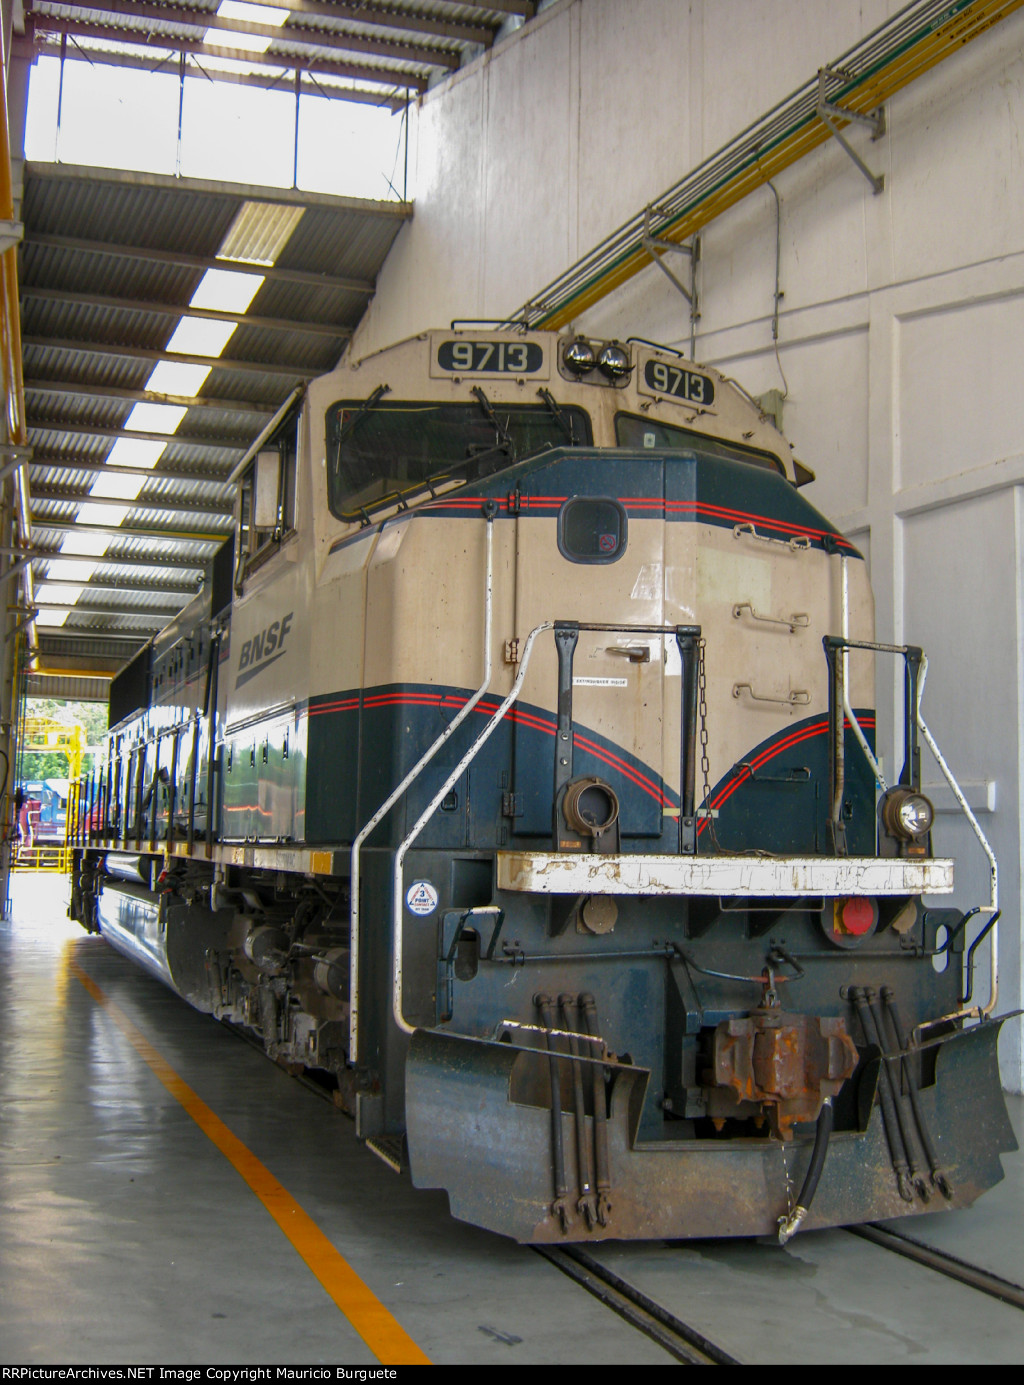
[400,599]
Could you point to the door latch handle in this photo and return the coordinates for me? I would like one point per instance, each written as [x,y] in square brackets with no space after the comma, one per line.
[798,618]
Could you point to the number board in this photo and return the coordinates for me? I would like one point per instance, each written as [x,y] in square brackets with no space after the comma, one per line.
[662,378]
[489,357]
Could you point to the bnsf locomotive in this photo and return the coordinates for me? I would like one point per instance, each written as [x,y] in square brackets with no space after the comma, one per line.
[516,769]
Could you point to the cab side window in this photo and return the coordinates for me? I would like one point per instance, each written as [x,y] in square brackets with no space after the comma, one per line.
[266,498]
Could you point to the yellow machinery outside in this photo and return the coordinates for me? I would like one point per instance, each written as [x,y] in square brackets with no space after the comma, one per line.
[46,735]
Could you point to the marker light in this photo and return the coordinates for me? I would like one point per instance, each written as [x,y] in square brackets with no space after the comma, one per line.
[907,814]
[614,361]
[579,356]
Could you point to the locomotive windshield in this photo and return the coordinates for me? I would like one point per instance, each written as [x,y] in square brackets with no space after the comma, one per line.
[394,448]
[632,431]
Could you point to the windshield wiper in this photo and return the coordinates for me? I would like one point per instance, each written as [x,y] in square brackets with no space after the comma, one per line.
[564,423]
[366,407]
[505,443]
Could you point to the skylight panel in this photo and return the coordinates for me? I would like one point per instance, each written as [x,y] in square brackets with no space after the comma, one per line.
[85,544]
[76,572]
[154,418]
[49,591]
[174,377]
[116,486]
[136,451]
[198,336]
[252,14]
[110,516]
[259,232]
[52,615]
[227,290]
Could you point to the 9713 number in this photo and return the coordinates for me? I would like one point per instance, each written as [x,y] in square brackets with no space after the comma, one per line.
[492,357]
[684,384]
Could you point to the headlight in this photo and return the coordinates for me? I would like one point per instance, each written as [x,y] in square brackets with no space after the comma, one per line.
[590,807]
[907,814]
[614,361]
[579,356]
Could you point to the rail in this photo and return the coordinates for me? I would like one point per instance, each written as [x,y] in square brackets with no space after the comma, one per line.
[915,672]
[397,932]
[566,635]
[354,923]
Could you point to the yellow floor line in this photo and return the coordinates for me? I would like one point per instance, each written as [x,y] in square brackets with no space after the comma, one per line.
[385,1337]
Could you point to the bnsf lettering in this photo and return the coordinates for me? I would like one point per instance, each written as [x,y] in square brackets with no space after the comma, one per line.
[259,648]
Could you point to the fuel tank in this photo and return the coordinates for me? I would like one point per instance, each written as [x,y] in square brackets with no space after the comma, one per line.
[173,940]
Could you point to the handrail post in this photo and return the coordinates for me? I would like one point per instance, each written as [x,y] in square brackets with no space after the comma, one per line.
[688,640]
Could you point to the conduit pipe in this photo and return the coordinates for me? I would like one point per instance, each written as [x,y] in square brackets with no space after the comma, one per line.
[399,790]
[10,348]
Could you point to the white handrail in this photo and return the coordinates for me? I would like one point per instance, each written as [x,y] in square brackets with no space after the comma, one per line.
[396,793]
[397,934]
[847,709]
[993,866]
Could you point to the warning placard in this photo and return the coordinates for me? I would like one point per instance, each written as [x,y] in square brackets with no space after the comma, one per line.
[421,898]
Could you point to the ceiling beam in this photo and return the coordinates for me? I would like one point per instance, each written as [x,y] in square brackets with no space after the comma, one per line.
[526,8]
[145,353]
[129,531]
[140,305]
[54,462]
[287,35]
[82,390]
[82,632]
[58,495]
[90,430]
[271,273]
[154,616]
[198,49]
[49,45]
[464,31]
[140,560]
[186,591]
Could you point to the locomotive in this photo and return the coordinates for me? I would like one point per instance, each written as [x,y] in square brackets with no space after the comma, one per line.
[516,770]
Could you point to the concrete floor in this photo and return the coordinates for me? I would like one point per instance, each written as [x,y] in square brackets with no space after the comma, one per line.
[127,1236]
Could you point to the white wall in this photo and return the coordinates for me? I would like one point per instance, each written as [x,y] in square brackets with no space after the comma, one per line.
[903,318]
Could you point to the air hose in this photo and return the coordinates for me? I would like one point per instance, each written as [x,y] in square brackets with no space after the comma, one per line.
[789,1226]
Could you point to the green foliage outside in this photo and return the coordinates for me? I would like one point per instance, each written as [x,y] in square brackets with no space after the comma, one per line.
[49,764]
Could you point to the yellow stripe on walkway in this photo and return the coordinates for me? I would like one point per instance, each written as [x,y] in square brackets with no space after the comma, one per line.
[385,1337]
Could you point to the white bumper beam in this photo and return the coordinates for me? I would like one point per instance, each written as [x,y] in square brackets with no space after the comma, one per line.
[831,876]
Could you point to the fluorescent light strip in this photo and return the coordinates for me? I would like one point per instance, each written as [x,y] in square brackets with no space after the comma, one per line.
[257,235]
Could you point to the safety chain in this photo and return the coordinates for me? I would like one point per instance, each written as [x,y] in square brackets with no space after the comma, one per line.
[705,764]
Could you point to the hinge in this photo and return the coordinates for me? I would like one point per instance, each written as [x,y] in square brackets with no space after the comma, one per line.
[512,651]
[515,501]
[511,805]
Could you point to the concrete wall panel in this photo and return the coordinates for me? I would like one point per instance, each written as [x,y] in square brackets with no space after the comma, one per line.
[960,389]
[900,326]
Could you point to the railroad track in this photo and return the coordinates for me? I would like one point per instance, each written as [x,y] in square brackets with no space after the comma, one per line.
[691,1346]
[682,1341]
[942,1262]
[678,1338]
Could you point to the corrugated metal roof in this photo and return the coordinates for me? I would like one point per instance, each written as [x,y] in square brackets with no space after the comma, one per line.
[74,689]
[383,50]
[101,300]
